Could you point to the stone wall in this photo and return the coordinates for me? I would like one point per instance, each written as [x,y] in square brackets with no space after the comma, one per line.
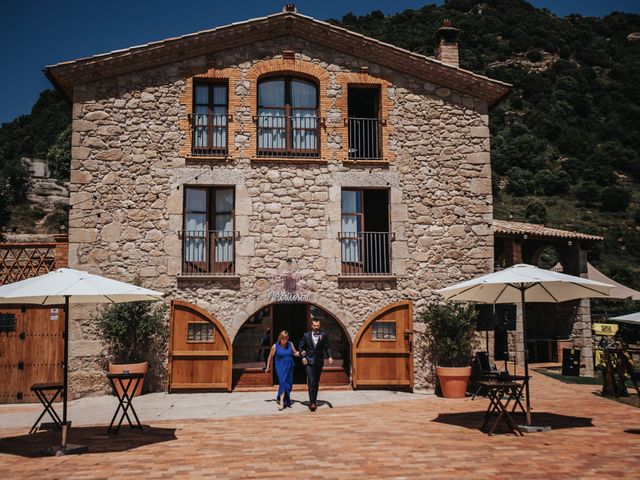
[129,165]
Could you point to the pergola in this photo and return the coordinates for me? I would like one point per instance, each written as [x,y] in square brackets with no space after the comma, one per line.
[519,242]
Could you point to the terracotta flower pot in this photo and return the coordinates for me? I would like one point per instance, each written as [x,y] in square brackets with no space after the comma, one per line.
[131,368]
[453,381]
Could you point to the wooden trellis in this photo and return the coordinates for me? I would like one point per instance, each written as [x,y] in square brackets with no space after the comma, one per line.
[19,261]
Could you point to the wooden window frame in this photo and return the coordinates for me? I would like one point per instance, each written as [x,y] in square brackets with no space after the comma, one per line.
[390,322]
[210,221]
[381,122]
[288,151]
[209,325]
[359,237]
[210,150]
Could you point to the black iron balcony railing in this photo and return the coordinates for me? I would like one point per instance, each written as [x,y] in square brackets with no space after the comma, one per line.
[209,134]
[208,252]
[288,136]
[366,253]
[365,135]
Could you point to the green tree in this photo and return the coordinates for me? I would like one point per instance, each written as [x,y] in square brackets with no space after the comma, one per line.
[451,334]
[519,181]
[59,155]
[133,330]
[615,198]
[536,212]
[587,192]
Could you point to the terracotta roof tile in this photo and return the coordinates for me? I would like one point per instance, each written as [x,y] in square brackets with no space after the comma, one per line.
[520,228]
[66,74]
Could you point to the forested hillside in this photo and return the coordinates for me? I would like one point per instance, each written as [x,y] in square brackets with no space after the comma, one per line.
[45,133]
[565,143]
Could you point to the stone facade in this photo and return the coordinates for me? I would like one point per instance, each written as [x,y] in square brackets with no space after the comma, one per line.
[131,159]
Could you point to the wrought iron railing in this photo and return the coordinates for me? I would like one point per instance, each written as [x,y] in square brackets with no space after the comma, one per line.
[366,253]
[209,134]
[365,135]
[288,136]
[208,252]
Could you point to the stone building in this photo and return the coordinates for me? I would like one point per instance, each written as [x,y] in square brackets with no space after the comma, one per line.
[277,170]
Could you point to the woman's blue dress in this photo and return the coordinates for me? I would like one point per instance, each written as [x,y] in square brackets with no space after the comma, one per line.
[284,371]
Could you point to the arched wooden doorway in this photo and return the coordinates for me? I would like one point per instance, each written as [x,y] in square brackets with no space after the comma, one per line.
[252,343]
[383,349]
[200,352]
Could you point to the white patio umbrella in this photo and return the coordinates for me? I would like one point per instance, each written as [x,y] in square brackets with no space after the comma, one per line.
[65,286]
[629,318]
[525,283]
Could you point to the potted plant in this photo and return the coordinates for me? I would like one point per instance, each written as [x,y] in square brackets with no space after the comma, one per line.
[132,332]
[452,341]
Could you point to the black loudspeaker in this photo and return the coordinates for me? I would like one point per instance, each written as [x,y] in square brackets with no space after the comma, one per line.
[506,316]
[485,322]
[571,362]
[500,344]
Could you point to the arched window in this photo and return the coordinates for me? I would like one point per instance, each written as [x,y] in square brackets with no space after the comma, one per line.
[287,117]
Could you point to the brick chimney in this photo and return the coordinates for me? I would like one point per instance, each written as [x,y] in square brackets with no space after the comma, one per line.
[289,7]
[446,41]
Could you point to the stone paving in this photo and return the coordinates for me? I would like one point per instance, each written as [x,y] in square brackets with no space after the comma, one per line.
[422,437]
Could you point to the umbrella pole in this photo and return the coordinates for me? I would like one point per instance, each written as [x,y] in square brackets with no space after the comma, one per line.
[526,354]
[65,373]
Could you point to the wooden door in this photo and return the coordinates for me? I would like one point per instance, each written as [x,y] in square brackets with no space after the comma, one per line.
[31,350]
[200,353]
[383,353]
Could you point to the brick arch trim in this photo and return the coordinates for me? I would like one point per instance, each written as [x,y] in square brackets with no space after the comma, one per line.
[288,67]
[293,67]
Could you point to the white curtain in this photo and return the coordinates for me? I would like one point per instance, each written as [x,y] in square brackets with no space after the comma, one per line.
[271,121]
[271,128]
[351,225]
[219,116]
[195,225]
[303,103]
[224,226]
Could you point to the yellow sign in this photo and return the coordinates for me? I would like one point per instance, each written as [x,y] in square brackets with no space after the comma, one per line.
[607,329]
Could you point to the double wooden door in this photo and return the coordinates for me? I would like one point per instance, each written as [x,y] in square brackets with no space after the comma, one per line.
[31,350]
[383,353]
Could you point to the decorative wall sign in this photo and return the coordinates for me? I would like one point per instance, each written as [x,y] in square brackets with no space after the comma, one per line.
[54,314]
[288,287]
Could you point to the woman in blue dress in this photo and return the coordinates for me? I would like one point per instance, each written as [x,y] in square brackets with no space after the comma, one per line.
[282,352]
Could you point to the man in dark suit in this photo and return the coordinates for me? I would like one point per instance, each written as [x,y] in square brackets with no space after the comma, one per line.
[314,346]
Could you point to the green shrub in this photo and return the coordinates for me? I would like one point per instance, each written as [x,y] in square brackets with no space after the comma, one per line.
[536,212]
[131,331]
[519,182]
[587,192]
[451,334]
[615,199]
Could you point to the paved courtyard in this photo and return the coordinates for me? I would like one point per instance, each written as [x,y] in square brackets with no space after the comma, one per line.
[365,435]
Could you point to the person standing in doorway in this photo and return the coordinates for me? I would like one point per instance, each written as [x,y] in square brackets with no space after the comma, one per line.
[283,352]
[314,346]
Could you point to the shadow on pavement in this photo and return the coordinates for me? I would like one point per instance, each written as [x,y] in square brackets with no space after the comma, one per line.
[95,438]
[474,420]
[320,403]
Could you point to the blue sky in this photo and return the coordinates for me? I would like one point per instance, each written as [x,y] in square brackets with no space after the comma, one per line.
[35,33]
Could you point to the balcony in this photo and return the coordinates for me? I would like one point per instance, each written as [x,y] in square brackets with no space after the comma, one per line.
[209,135]
[366,253]
[364,138]
[288,136]
[208,252]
